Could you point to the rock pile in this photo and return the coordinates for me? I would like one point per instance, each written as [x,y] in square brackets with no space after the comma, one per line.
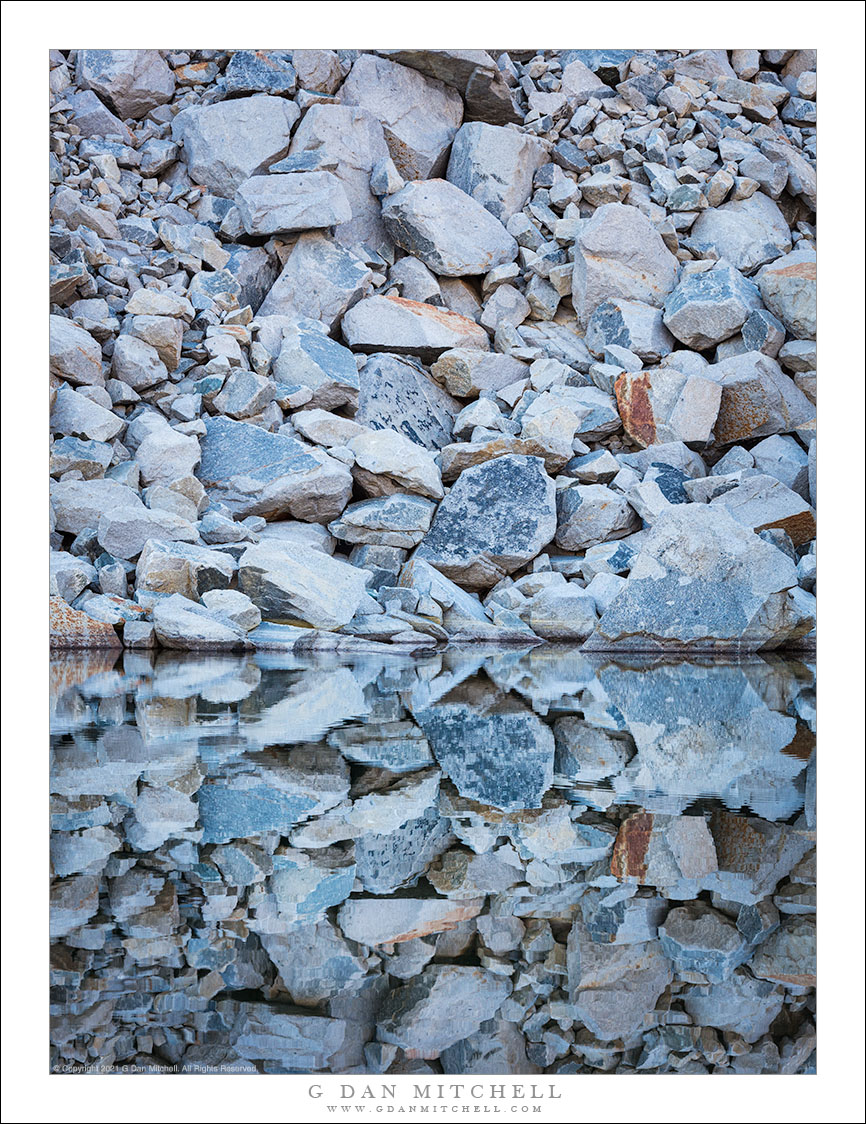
[459,863]
[406,346]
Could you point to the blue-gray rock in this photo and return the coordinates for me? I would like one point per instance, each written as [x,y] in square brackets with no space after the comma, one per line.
[260,72]
[746,232]
[227,142]
[320,280]
[706,308]
[630,324]
[420,1015]
[397,393]
[496,518]
[589,514]
[395,520]
[258,473]
[741,1004]
[419,115]
[618,254]
[309,357]
[703,582]
[132,82]
[449,230]
[276,204]
[495,166]
[467,729]
[697,938]
[789,288]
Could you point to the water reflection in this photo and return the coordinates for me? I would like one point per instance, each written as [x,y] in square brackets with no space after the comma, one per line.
[469,862]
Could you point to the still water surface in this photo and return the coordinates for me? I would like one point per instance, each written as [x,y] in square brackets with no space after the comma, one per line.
[466,862]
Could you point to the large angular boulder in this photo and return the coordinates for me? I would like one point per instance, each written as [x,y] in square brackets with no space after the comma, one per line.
[131,82]
[703,582]
[789,288]
[419,115]
[258,473]
[495,166]
[706,308]
[588,514]
[420,1015]
[409,328]
[320,280]
[473,73]
[387,461]
[353,138]
[293,584]
[447,229]
[397,393]
[613,987]
[466,372]
[283,204]
[184,568]
[308,357]
[71,628]
[633,325]
[228,141]
[763,503]
[181,623]
[497,517]
[76,415]
[618,253]
[73,354]
[746,232]
[758,399]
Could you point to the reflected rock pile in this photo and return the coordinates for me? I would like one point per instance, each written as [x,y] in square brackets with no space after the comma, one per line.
[472,862]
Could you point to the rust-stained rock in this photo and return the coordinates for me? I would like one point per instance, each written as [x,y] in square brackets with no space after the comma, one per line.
[70,628]
[664,405]
[659,850]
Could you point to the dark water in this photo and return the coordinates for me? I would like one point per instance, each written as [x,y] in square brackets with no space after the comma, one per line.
[469,862]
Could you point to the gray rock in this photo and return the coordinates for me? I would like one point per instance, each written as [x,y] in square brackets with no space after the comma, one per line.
[302,201]
[619,254]
[132,83]
[75,415]
[495,166]
[409,328]
[73,354]
[629,324]
[258,473]
[374,921]
[561,612]
[467,372]
[420,1015]
[395,520]
[747,232]
[184,568]
[180,623]
[288,583]
[666,405]
[614,987]
[741,1004]
[419,115]
[764,502]
[308,357]
[386,461]
[703,582]
[789,289]
[227,142]
[588,514]
[465,729]
[447,229]
[788,956]
[706,308]
[497,517]
[354,138]
[320,280]
[397,393]
[699,939]
[254,72]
